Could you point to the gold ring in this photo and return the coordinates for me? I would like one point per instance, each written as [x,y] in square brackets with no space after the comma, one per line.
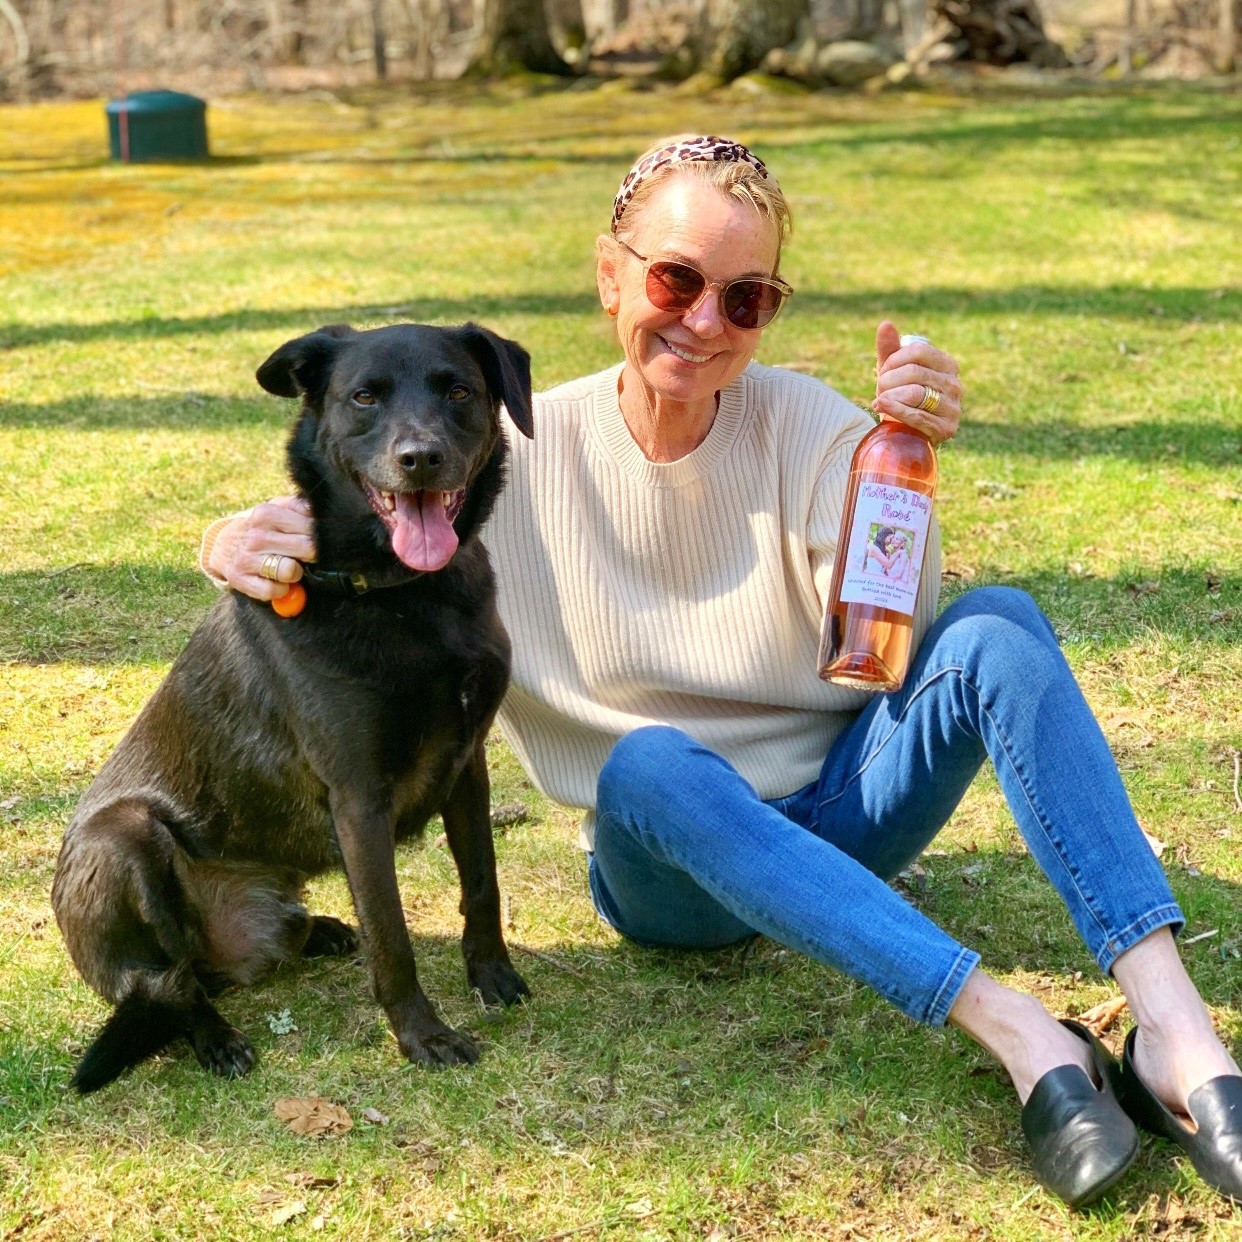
[270,569]
[931,400]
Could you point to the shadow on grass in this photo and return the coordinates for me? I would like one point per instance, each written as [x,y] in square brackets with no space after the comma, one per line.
[101,614]
[651,1044]
[142,614]
[1216,442]
[1186,304]
[1096,122]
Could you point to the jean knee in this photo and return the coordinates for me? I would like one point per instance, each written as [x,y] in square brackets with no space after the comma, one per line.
[993,609]
[639,763]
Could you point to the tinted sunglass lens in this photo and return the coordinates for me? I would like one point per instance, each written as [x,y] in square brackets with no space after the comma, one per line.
[673,286]
[751,303]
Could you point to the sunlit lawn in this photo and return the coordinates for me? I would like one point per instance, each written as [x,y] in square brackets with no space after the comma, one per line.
[1080,256]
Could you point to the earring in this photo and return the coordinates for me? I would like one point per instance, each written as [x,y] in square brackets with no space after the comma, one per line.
[611,309]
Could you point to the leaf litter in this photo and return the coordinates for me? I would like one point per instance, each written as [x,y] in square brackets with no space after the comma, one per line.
[313,1116]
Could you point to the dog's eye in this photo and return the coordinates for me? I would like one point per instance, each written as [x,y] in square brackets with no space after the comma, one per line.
[364,396]
[459,392]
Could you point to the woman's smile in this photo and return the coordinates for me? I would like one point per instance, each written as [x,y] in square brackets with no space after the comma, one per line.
[683,353]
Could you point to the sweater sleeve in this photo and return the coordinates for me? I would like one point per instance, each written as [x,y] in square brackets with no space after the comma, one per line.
[824,524]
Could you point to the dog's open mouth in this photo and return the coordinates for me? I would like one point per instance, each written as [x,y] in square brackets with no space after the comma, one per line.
[420,524]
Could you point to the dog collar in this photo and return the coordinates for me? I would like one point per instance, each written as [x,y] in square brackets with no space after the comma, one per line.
[350,585]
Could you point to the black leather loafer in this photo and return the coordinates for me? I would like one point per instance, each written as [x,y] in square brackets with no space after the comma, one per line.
[1080,1138]
[1215,1144]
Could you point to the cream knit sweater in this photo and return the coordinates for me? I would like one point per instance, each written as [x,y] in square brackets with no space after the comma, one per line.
[688,593]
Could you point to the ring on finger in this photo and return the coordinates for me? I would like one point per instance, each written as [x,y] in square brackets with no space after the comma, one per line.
[270,569]
[931,400]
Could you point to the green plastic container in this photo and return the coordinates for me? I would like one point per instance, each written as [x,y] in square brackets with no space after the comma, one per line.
[157,125]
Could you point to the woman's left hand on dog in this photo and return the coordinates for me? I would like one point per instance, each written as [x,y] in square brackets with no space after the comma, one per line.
[282,526]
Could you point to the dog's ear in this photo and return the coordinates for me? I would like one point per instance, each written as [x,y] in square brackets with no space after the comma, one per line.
[506,367]
[300,367]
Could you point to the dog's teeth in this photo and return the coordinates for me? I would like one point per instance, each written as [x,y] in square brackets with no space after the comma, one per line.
[389,500]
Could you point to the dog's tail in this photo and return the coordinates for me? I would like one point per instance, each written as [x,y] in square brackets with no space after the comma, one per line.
[138,1028]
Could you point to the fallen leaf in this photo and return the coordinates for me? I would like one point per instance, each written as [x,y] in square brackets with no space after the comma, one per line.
[1138,589]
[639,1208]
[1157,846]
[282,1216]
[313,1116]
[310,1181]
[422,1156]
[373,1116]
[9,803]
[1100,1017]
[509,813]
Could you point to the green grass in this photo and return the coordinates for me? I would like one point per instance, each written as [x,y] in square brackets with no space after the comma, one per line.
[1079,255]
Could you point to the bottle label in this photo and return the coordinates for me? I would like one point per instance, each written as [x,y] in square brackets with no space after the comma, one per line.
[888,539]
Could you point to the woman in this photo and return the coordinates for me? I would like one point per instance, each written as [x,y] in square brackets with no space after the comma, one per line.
[664,547]
[888,550]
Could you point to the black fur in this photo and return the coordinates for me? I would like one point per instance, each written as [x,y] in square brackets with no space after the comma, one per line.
[277,748]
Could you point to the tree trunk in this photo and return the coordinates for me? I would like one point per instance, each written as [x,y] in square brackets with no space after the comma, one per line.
[515,36]
[379,40]
[296,42]
[1227,47]
[600,18]
[735,35]
[1003,32]
[913,22]
[1126,60]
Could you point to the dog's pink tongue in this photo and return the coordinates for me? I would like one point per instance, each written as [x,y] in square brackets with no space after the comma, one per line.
[423,538]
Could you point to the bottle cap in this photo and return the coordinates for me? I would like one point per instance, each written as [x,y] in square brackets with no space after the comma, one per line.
[912,337]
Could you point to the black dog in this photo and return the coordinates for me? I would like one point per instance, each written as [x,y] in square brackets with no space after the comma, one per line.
[277,748]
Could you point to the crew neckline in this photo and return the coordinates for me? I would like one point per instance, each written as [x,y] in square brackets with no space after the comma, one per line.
[614,436]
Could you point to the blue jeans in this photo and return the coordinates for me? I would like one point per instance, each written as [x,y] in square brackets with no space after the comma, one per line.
[687,854]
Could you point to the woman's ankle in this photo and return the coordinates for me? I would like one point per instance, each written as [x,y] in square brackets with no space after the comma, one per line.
[1018,1031]
[1175,1060]
[1177,1049]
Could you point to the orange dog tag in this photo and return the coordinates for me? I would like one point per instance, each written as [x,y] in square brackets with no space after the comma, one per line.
[291,602]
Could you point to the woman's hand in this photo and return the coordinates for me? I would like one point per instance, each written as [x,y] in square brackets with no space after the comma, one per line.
[901,375]
[283,528]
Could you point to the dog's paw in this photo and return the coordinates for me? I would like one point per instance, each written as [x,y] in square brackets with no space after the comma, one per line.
[223,1050]
[497,983]
[330,937]
[439,1046]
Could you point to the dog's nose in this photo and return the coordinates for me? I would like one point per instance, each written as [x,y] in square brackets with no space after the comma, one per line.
[412,457]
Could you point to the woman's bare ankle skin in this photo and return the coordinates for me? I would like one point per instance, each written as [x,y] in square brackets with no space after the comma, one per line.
[1018,1031]
[1176,1049]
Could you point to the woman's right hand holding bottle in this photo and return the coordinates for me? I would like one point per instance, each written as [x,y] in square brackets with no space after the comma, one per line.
[281,529]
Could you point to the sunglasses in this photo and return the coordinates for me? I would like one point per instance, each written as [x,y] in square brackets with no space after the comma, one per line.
[751,302]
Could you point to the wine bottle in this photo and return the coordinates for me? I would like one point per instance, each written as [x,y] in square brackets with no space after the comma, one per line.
[885,525]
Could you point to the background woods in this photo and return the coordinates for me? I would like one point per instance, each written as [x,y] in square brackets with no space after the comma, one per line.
[85,47]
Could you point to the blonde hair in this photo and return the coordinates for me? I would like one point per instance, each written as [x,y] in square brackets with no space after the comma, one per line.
[735,178]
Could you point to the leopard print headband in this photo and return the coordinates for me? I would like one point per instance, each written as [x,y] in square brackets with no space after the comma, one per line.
[689,150]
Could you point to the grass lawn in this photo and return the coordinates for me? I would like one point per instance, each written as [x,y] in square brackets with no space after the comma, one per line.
[1079,255]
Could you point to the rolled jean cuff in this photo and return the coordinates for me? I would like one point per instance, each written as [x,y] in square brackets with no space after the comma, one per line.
[1168,915]
[937,1013]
